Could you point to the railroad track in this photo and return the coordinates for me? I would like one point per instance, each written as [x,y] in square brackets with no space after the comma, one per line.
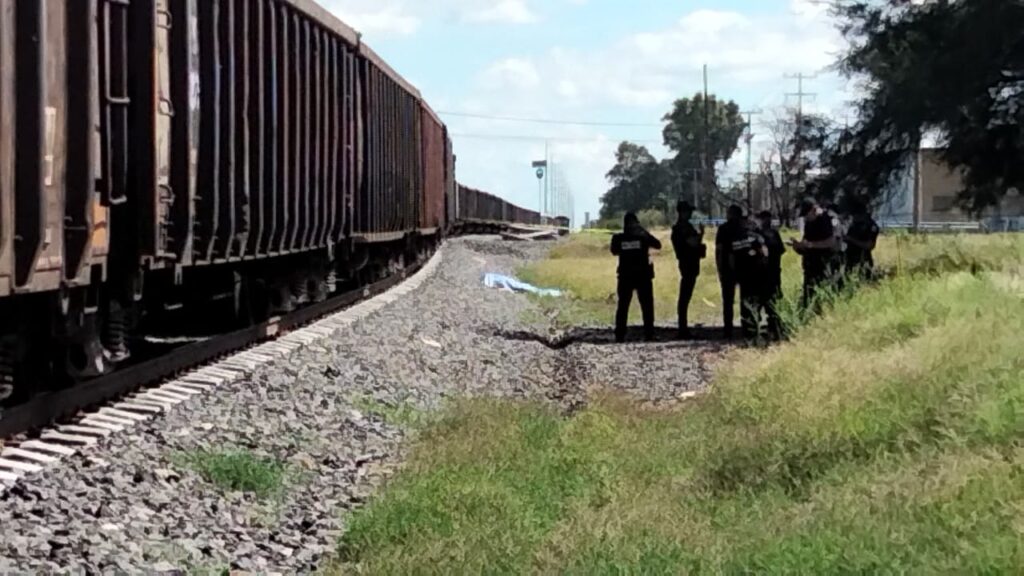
[54,426]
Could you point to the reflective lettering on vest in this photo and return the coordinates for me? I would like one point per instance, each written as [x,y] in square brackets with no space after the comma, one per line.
[741,245]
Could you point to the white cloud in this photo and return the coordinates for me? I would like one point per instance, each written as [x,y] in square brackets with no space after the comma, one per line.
[376,17]
[510,74]
[405,17]
[504,11]
[642,72]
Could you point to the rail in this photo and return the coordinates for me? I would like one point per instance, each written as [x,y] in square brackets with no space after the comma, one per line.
[45,409]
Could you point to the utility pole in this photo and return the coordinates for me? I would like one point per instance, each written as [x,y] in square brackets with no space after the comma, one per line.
[547,162]
[917,189]
[800,95]
[750,156]
[542,171]
[704,143]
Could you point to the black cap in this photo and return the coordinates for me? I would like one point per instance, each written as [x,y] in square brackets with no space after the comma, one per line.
[684,206]
[806,206]
[764,215]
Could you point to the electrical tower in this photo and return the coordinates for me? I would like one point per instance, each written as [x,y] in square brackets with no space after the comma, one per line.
[750,156]
[561,193]
[800,95]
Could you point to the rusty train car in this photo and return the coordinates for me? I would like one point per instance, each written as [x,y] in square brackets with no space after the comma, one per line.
[482,208]
[196,165]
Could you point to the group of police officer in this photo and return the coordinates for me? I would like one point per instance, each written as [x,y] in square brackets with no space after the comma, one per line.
[748,255]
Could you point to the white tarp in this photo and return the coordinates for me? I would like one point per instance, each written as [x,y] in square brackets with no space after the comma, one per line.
[513,285]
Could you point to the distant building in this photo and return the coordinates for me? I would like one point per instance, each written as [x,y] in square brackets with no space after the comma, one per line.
[938,186]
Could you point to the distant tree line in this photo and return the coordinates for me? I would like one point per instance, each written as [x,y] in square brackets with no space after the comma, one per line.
[953,69]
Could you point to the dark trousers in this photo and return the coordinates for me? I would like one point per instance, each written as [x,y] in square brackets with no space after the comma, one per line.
[771,295]
[644,288]
[816,277]
[749,303]
[687,282]
[729,285]
[860,267]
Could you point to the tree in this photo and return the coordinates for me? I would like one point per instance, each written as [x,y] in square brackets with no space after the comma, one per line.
[792,165]
[639,182]
[954,68]
[694,130]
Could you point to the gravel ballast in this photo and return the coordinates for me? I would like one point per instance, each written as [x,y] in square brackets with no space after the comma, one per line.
[130,504]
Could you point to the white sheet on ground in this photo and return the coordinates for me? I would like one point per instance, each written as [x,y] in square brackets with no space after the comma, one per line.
[511,284]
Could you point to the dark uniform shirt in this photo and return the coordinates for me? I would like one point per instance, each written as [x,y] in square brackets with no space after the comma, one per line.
[728,234]
[863,229]
[776,248]
[818,230]
[689,256]
[633,251]
[747,249]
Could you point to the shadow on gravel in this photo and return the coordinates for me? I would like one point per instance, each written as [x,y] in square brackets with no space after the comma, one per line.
[606,336]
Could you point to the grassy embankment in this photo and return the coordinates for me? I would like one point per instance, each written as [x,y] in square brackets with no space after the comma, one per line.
[585,266]
[887,436]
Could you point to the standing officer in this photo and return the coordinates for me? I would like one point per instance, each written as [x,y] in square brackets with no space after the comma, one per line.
[733,230]
[771,287]
[635,272]
[818,248]
[861,238]
[749,256]
[690,250]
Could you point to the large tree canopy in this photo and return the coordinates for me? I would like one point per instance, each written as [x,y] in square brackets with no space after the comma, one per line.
[638,182]
[952,67]
[692,130]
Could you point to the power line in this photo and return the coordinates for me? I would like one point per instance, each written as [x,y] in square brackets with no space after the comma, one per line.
[552,121]
[525,138]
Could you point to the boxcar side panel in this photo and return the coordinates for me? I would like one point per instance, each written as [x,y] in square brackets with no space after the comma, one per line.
[40,134]
[434,168]
[7,120]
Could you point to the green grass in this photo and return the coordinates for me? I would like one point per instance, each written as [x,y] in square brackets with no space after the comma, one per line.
[886,437]
[584,266]
[237,471]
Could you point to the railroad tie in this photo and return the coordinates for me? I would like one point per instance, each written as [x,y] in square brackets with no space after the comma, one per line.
[84,430]
[74,439]
[34,456]
[16,466]
[49,447]
[124,414]
[93,422]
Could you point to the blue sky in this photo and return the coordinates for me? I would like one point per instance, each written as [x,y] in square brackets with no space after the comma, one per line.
[601,61]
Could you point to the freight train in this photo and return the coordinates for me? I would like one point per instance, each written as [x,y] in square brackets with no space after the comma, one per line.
[189,166]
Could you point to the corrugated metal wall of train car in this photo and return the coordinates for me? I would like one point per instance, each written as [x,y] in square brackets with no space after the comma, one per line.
[139,54]
[433,169]
[463,213]
[389,200]
[7,120]
[450,186]
[49,213]
[273,86]
[253,38]
[153,69]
